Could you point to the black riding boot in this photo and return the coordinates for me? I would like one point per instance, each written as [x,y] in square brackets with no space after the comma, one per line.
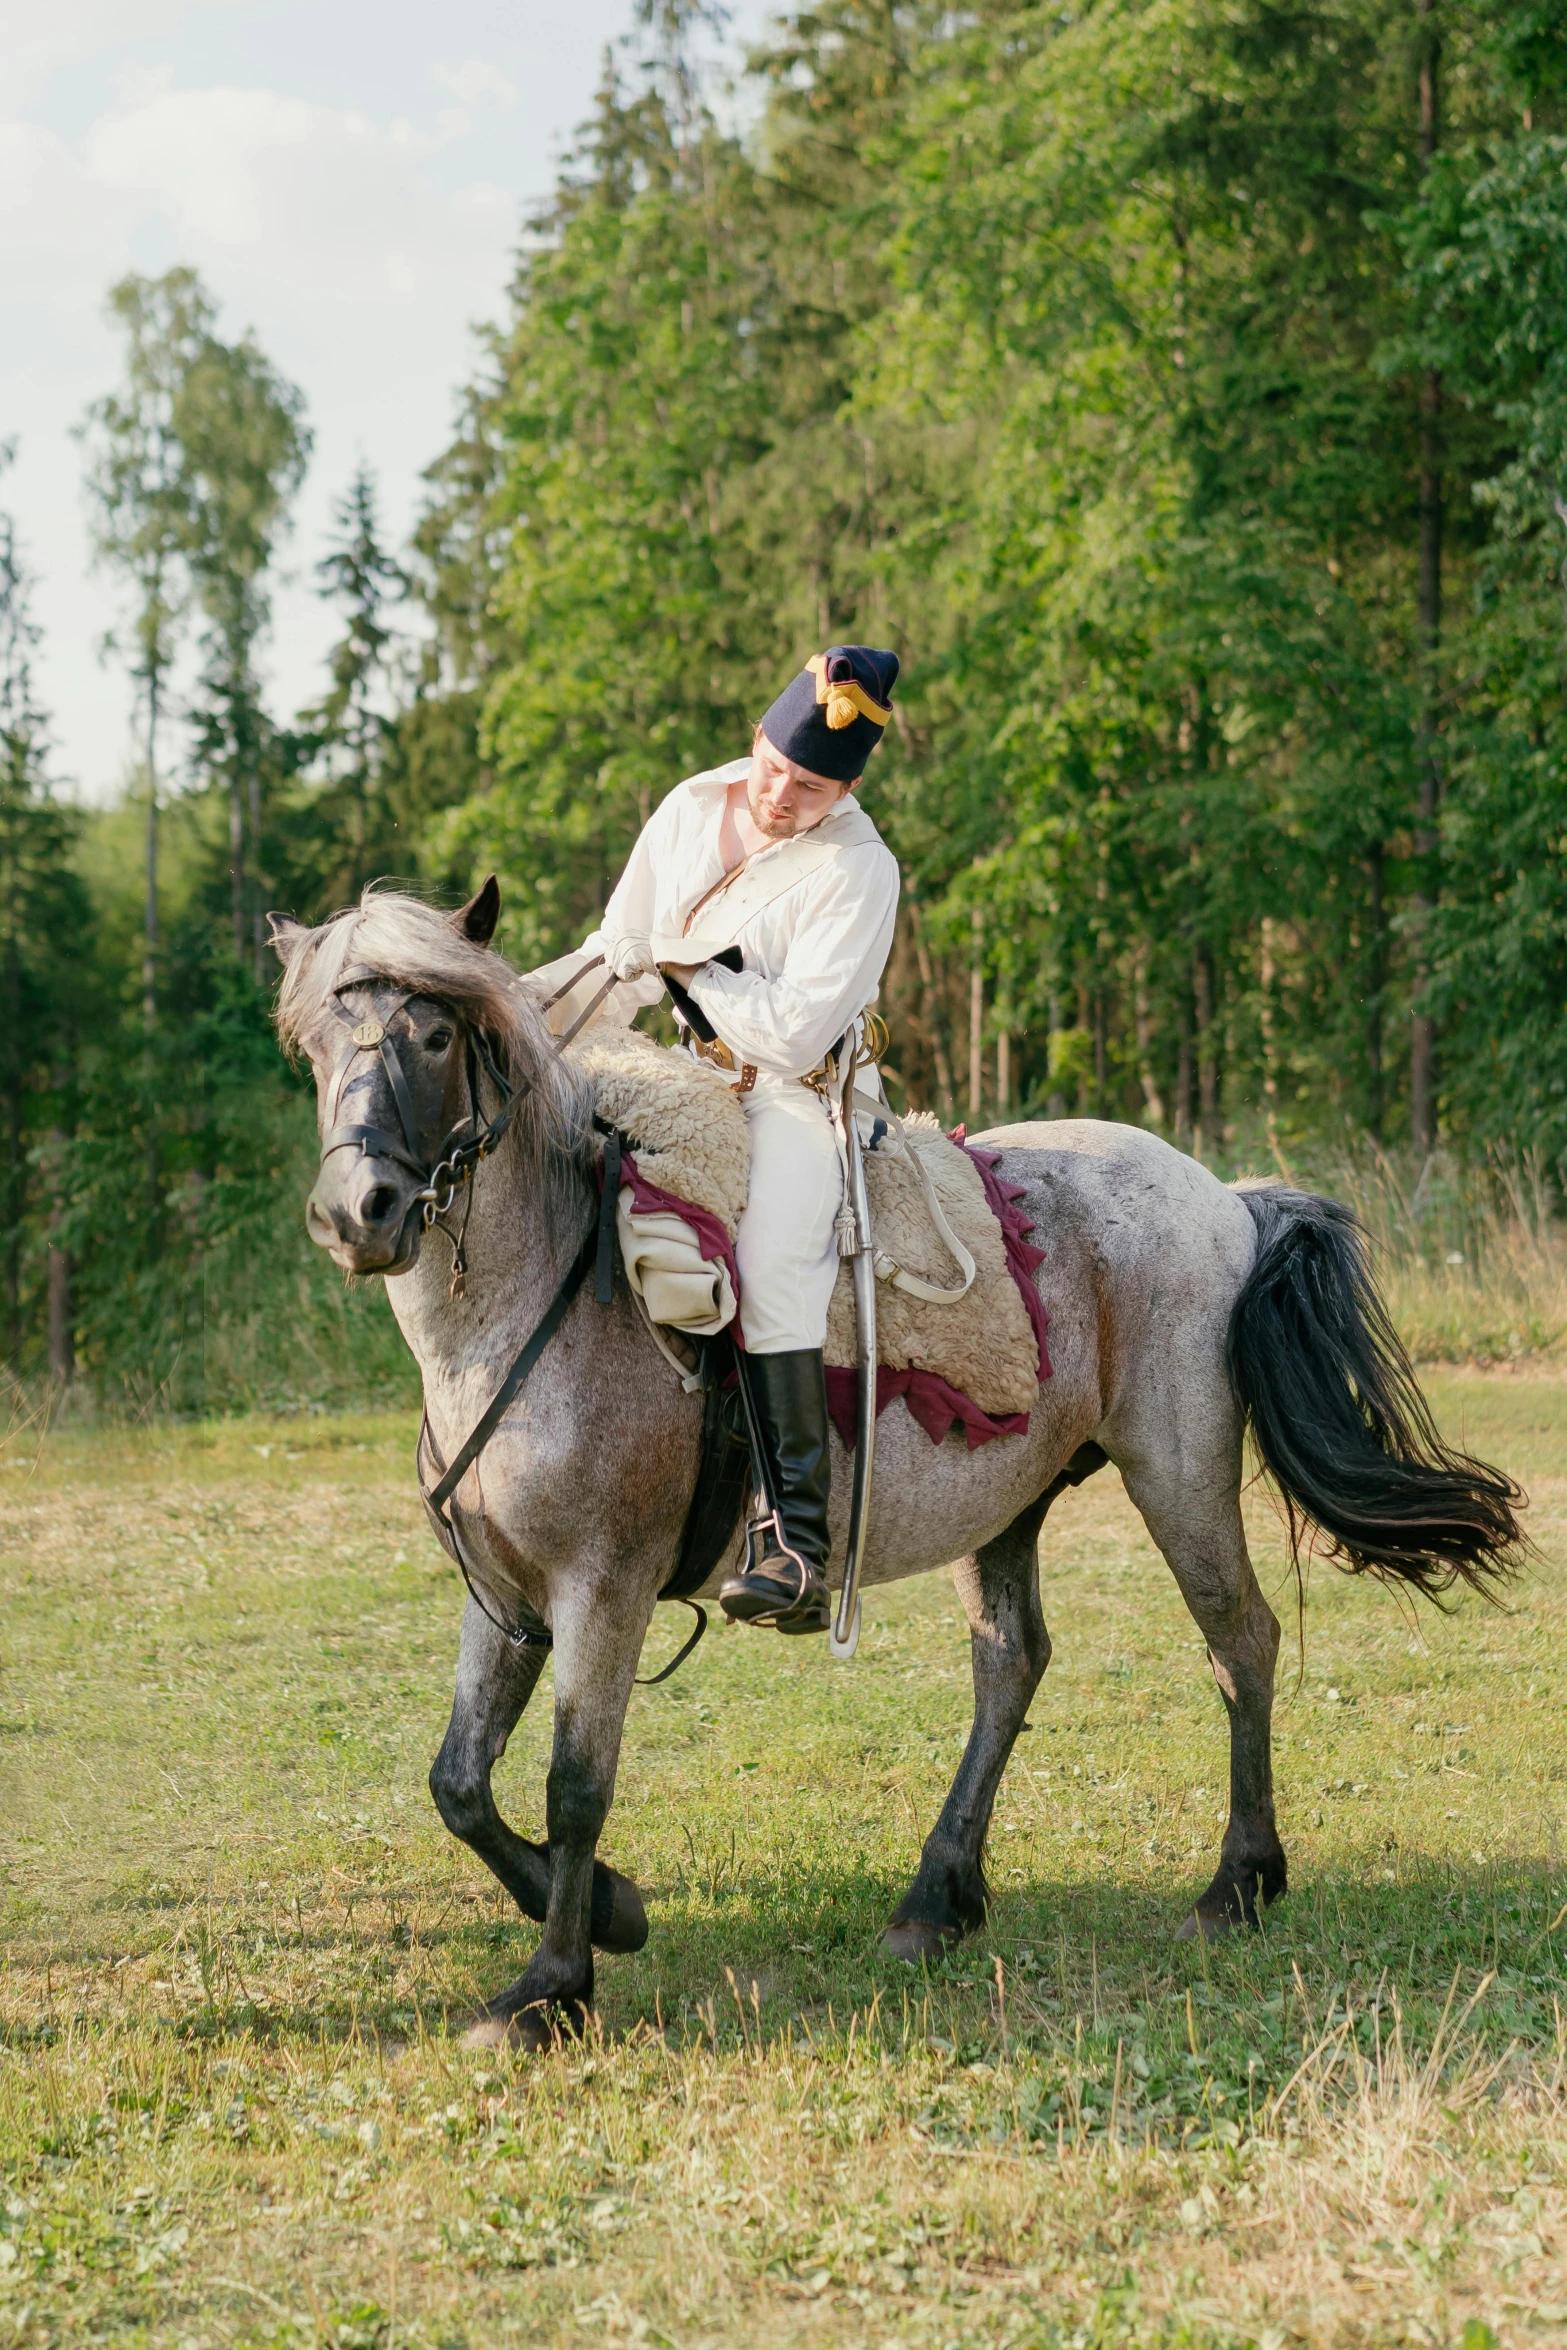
[787,1547]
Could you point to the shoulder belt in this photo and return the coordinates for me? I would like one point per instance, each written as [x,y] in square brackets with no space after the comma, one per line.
[718,919]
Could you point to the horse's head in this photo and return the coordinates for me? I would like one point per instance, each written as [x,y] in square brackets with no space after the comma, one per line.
[407,1081]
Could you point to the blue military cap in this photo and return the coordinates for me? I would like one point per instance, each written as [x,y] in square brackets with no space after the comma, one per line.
[830,718]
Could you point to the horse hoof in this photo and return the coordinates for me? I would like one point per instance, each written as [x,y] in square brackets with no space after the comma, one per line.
[491,2031]
[528,2033]
[913,1941]
[624,1928]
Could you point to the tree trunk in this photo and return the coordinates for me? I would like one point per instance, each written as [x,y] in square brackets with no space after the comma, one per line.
[1422,1038]
[930,1011]
[1208,1121]
[1142,1011]
[1185,1072]
[62,1327]
[237,863]
[149,967]
[976,1015]
[1376,980]
[1266,974]
[257,883]
[62,1320]
[1055,1105]
[1003,1074]
[13,1237]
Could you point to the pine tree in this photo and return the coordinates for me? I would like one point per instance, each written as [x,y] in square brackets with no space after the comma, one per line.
[354,724]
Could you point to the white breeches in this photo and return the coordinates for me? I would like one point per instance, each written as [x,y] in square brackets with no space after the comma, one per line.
[786,1247]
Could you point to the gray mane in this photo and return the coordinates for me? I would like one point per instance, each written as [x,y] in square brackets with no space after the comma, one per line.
[411,945]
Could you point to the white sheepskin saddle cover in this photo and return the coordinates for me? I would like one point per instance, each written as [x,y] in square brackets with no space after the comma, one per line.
[691,1139]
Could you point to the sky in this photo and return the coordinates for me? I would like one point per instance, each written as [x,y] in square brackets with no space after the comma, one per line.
[348,177]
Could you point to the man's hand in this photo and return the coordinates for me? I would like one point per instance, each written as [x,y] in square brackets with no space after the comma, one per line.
[630,957]
[682,973]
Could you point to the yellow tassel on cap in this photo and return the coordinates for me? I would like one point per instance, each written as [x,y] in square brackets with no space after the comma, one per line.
[842,699]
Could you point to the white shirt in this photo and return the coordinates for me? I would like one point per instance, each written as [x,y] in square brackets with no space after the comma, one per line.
[813,956]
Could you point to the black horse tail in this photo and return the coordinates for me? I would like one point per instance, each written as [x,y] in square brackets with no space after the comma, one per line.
[1339,1418]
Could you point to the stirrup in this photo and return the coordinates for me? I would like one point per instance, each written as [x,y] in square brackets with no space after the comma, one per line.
[776,1588]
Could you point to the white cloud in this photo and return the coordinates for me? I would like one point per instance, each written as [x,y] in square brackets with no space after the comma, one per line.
[355,250]
[474,80]
[38,41]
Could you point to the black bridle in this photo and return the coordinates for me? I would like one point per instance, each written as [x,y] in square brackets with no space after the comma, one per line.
[465,1145]
[472,1138]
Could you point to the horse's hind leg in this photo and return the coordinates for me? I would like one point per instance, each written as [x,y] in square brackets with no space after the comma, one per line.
[1196,1522]
[494,1683]
[999,1588]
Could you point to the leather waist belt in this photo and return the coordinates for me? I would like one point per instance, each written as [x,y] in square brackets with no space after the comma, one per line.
[716,1051]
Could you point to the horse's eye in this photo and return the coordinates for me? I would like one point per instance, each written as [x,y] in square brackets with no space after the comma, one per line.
[437,1040]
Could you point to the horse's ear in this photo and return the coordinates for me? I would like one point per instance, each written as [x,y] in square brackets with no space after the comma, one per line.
[477,919]
[287,936]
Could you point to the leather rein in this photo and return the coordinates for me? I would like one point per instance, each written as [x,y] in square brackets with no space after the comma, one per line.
[470,1141]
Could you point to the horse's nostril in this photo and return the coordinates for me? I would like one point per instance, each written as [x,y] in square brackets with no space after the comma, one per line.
[378,1204]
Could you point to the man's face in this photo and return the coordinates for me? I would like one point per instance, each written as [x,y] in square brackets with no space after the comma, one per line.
[785,798]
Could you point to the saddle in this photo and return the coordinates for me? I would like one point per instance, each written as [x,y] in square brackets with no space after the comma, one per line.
[979,1356]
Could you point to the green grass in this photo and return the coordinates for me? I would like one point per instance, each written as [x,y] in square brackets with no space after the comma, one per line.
[239,1948]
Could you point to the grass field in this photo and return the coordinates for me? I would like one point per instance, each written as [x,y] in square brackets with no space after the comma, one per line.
[239,1948]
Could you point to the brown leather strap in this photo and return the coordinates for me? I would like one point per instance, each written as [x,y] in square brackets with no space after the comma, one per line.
[717,890]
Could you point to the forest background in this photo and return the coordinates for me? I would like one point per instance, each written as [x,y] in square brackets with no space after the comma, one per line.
[1179,385]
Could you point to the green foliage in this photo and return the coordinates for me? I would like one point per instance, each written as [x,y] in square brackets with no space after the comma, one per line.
[44,920]
[196,1286]
[1489,258]
[1103,362]
[1080,357]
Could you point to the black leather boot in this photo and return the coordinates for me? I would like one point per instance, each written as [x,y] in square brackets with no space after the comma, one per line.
[787,1544]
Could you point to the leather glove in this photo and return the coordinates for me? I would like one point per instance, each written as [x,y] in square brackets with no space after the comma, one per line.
[630,957]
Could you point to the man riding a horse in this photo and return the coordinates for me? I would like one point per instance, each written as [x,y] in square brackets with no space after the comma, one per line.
[763,894]
[1183,1313]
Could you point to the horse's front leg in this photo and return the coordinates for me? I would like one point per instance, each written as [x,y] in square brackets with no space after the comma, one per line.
[598,1640]
[494,1684]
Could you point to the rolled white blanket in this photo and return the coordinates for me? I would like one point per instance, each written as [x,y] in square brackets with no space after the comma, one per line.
[664,1263]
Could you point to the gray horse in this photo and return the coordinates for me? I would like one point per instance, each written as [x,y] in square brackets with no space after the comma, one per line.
[1180,1310]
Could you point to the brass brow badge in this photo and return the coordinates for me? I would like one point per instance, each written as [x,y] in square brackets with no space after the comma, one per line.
[369,1032]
